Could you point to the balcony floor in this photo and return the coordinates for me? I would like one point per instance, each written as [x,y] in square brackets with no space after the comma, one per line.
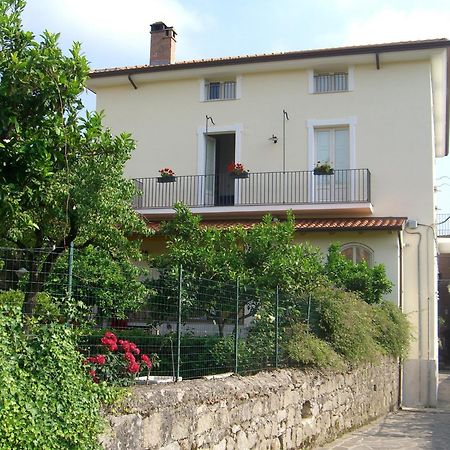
[362,208]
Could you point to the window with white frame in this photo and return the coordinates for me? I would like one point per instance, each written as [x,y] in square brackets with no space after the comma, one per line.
[357,253]
[329,81]
[220,90]
[332,146]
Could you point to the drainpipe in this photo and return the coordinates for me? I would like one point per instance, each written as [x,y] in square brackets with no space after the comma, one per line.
[429,318]
[419,309]
[400,305]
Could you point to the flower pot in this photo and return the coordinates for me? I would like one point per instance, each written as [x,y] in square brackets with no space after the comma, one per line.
[167,179]
[323,172]
[239,175]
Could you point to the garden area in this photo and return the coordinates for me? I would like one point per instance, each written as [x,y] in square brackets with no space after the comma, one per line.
[83,312]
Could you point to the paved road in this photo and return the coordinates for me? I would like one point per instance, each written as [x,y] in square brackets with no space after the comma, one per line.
[406,429]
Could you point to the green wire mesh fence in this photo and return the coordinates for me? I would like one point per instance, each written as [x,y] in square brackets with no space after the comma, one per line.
[198,327]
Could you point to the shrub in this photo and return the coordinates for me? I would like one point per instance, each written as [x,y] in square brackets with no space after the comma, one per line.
[304,348]
[120,362]
[392,329]
[196,357]
[46,400]
[345,322]
[369,283]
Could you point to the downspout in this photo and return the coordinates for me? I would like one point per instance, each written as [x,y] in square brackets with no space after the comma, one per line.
[400,305]
[419,310]
[430,375]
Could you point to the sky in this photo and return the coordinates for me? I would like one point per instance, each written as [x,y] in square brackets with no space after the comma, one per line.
[115,33]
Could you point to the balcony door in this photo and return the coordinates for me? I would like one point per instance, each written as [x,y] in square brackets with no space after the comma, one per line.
[219,186]
[332,145]
[210,170]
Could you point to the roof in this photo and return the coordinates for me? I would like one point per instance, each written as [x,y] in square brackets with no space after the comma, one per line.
[285,56]
[333,224]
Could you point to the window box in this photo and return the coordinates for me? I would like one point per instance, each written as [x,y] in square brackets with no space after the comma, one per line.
[167,179]
[239,175]
[323,172]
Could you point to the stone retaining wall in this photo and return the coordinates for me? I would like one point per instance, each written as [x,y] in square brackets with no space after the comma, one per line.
[283,409]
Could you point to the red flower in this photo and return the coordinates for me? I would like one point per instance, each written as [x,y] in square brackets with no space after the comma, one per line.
[93,374]
[147,361]
[167,172]
[100,359]
[133,367]
[110,343]
[236,168]
[130,357]
[110,336]
[134,348]
[125,345]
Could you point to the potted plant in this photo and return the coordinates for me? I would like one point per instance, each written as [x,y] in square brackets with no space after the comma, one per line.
[237,170]
[323,168]
[167,175]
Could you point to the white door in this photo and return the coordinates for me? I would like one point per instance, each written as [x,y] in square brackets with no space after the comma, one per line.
[332,145]
[210,171]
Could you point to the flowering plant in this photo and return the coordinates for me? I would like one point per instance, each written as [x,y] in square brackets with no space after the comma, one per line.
[323,168]
[167,172]
[236,168]
[121,363]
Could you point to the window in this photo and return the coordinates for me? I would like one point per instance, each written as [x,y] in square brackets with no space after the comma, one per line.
[331,82]
[357,253]
[333,145]
[220,90]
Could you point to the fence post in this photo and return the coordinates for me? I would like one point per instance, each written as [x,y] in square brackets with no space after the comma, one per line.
[236,332]
[69,280]
[277,302]
[180,285]
[309,309]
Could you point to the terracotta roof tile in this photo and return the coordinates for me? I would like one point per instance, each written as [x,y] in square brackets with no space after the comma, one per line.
[334,224]
[303,54]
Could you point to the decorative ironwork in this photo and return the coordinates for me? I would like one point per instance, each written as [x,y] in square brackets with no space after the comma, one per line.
[260,188]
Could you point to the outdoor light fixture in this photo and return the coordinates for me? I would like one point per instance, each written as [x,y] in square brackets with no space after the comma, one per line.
[448,288]
[21,272]
[274,139]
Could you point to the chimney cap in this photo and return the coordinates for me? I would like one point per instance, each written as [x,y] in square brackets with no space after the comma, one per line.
[159,26]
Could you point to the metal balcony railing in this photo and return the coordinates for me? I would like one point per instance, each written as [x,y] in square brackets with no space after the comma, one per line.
[257,189]
[443,225]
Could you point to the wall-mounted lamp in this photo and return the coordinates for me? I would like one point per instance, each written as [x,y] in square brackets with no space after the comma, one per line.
[21,272]
[274,139]
[448,288]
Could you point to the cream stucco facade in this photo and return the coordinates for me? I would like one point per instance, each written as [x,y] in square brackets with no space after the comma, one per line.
[393,113]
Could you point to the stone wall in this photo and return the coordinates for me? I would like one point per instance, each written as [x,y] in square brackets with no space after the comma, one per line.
[283,409]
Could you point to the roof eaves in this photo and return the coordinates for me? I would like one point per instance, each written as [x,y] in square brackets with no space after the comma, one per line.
[305,54]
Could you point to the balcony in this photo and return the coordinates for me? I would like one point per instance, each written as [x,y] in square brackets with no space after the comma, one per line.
[443,225]
[344,191]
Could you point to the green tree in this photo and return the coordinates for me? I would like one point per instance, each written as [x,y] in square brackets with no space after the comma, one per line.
[61,176]
[213,259]
[370,283]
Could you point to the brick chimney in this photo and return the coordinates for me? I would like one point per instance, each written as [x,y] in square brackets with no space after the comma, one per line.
[162,46]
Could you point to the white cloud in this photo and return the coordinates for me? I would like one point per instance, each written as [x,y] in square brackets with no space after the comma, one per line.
[390,25]
[113,30]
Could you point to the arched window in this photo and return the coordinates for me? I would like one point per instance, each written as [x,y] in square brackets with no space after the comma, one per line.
[358,252]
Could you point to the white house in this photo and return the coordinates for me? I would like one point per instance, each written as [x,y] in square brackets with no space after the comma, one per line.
[377,113]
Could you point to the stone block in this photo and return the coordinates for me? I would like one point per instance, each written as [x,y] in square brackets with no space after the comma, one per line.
[241,441]
[222,445]
[205,422]
[127,429]
[152,431]
[281,415]
[180,428]
[171,446]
